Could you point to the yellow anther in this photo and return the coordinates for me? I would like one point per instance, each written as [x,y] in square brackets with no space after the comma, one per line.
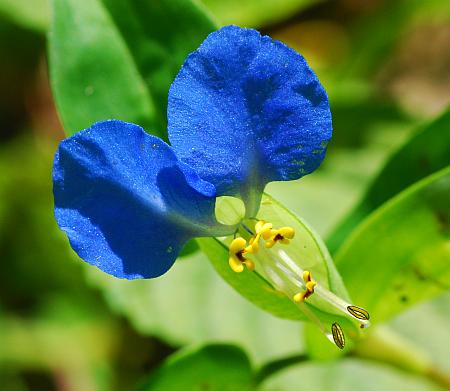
[287,232]
[282,235]
[306,276]
[261,227]
[253,246]
[270,243]
[250,265]
[238,248]
[250,249]
[237,245]
[299,297]
[338,335]
[236,265]
[309,283]
[310,286]
[266,235]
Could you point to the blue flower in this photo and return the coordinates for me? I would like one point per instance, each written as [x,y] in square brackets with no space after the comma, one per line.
[243,111]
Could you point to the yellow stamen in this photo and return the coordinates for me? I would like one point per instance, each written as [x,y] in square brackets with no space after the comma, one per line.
[236,265]
[310,284]
[299,297]
[237,245]
[237,250]
[338,335]
[250,265]
[261,229]
[306,276]
[358,312]
[253,246]
[287,232]
[282,235]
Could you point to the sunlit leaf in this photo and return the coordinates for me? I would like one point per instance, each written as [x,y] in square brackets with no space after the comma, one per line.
[212,368]
[116,59]
[400,254]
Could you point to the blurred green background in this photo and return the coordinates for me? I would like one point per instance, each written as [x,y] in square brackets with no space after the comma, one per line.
[65,326]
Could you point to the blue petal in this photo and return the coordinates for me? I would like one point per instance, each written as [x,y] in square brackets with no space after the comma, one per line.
[245,110]
[125,201]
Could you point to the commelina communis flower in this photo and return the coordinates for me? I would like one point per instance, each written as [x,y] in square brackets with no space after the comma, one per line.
[244,110]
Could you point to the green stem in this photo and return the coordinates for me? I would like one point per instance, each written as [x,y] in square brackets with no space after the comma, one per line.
[382,346]
[388,348]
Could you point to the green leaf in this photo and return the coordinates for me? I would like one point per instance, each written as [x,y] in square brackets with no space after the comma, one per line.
[192,304]
[31,14]
[211,367]
[372,45]
[116,59]
[255,13]
[306,249]
[400,254]
[426,152]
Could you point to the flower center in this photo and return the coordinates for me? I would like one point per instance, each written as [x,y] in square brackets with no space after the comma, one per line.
[288,277]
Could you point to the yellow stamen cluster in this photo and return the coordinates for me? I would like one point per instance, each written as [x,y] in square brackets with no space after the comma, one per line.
[262,229]
[310,284]
[239,247]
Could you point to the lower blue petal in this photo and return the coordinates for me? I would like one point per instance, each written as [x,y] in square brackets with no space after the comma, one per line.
[125,201]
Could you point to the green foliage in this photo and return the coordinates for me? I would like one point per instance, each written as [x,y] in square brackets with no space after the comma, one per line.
[375,36]
[255,13]
[115,59]
[22,222]
[211,367]
[425,324]
[44,302]
[31,14]
[424,153]
[89,340]
[399,255]
[192,304]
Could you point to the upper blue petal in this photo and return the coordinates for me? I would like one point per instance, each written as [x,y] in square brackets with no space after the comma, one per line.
[245,110]
[125,201]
